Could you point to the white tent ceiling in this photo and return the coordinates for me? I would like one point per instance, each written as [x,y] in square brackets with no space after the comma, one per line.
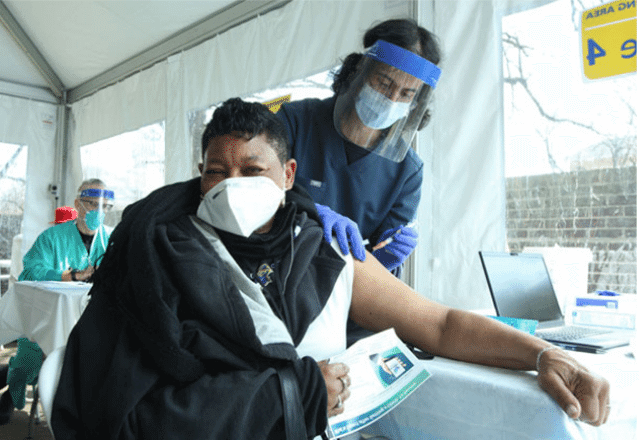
[94,43]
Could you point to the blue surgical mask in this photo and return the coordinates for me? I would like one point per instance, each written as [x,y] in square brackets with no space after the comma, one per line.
[376,110]
[94,219]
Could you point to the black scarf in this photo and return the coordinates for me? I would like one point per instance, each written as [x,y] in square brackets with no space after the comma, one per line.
[271,245]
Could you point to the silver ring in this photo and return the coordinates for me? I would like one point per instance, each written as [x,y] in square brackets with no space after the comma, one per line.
[339,404]
[344,383]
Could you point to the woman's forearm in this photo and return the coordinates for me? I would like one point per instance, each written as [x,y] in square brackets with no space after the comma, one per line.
[474,338]
[381,301]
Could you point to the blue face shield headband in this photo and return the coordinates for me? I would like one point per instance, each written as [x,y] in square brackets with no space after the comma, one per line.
[406,61]
[94,192]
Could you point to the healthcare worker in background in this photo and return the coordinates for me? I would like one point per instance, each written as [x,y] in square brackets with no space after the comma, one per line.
[71,251]
[354,149]
[23,368]
[67,251]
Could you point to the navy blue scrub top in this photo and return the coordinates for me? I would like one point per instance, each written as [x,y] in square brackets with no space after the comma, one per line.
[377,193]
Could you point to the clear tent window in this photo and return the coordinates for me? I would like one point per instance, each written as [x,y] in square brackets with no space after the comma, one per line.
[570,147]
[13,180]
[131,164]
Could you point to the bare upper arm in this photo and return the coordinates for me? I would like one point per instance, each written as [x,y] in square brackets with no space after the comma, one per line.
[381,301]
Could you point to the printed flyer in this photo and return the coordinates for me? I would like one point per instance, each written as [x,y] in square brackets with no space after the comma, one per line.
[383,373]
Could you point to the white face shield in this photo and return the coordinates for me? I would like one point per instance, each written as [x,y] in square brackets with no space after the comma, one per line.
[386,100]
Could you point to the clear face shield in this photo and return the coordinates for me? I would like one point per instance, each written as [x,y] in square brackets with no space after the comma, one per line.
[96,203]
[386,100]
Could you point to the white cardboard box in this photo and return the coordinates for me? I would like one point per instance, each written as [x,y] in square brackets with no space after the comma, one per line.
[568,270]
[601,316]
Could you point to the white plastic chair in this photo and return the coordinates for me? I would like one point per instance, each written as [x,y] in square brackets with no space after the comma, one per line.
[48,381]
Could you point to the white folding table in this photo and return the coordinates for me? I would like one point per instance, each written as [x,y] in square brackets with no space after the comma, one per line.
[463,401]
[42,311]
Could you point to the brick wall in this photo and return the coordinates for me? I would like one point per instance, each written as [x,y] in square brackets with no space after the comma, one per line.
[593,208]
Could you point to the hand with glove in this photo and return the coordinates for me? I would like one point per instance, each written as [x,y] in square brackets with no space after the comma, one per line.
[395,245]
[346,231]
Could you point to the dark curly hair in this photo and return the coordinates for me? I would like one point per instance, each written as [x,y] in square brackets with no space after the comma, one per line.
[403,32]
[250,119]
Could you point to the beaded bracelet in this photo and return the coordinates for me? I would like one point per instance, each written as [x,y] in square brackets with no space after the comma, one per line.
[540,355]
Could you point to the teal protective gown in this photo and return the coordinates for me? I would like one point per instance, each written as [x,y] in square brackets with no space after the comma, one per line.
[57,249]
[60,248]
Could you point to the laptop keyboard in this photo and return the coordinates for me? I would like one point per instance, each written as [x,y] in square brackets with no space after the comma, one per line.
[571,333]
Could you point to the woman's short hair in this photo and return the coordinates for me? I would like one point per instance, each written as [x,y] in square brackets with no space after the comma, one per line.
[250,119]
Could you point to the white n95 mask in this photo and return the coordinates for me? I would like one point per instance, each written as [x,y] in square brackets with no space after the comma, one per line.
[241,205]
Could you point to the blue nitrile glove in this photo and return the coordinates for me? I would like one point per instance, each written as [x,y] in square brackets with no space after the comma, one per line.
[402,241]
[346,231]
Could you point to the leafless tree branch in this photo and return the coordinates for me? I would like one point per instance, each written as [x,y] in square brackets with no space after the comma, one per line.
[520,80]
[11,161]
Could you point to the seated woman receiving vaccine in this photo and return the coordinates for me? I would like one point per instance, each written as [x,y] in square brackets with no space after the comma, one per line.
[218,301]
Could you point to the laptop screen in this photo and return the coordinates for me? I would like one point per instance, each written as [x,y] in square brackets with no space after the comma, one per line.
[520,286]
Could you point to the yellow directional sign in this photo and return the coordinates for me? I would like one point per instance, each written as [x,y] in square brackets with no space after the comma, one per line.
[609,39]
[275,104]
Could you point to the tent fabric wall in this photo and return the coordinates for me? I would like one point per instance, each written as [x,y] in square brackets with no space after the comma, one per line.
[285,44]
[31,123]
[463,157]
[128,105]
[72,177]
[463,206]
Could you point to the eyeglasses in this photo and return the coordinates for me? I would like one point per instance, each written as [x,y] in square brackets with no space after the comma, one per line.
[93,205]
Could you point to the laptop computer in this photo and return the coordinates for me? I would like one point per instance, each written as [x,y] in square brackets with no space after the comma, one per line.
[520,287]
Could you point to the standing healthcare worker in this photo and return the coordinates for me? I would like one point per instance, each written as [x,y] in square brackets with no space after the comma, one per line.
[354,149]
